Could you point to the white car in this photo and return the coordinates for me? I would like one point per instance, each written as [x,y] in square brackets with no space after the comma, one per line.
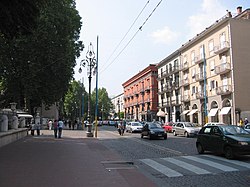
[185,128]
[134,127]
[214,123]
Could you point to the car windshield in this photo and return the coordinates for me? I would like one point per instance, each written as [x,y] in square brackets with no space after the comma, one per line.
[231,130]
[189,124]
[154,126]
[136,124]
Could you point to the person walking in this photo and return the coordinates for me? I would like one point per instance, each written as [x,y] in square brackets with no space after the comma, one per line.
[55,127]
[60,128]
[50,124]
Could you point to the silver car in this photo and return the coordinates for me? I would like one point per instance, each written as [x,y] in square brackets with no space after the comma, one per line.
[185,128]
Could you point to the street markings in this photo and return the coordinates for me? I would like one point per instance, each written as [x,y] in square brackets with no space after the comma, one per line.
[161,168]
[194,165]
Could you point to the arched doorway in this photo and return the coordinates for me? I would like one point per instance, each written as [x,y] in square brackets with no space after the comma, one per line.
[226,111]
[214,112]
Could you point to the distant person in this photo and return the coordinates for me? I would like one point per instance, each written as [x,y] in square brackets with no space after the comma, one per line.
[55,127]
[69,125]
[38,128]
[241,122]
[60,128]
[245,121]
[50,124]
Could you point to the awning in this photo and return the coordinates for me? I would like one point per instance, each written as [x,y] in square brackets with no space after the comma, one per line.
[24,116]
[213,112]
[185,112]
[225,110]
[160,113]
[192,112]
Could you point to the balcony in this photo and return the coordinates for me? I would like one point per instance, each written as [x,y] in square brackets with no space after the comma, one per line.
[184,82]
[199,77]
[224,90]
[222,68]
[184,66]
[223,47]
[147,88]
[185,98]
[200,95]
[198,59]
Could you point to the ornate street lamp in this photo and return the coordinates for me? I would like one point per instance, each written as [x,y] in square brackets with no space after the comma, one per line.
[90,62]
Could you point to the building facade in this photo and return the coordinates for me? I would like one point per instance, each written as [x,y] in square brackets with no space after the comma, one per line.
[118,106]
[140,95]
[208,75]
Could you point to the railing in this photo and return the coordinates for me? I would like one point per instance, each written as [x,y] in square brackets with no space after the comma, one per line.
[224,90]
[184,66]
[198,59]
[222,68]
[199,77]
[184,82]
[185,98]
[201,95]
[223,47]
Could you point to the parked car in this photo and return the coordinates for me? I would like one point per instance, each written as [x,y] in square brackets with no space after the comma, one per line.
[153,130]
[185,128]
[230,140]
[134,127]
[247,127]
[214,123]
[168,126]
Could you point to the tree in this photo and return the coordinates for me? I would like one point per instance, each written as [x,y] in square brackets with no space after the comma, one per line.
[38,67]
[104,103]
[73,100]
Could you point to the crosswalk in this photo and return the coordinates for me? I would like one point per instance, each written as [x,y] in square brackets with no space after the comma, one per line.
[194,165]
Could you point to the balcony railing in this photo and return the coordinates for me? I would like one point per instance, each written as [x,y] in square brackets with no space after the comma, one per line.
[222,68]
[224,90]
[184,66]
[185,98]
[198,59]
[223,47]
[200,95]
[199,77]
[184,82]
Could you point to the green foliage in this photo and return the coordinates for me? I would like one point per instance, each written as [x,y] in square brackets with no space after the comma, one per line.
[73,100]
[38,67]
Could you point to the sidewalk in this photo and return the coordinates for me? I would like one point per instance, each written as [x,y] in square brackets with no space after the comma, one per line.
[74,161]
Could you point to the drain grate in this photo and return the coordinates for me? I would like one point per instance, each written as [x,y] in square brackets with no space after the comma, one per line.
[117,165]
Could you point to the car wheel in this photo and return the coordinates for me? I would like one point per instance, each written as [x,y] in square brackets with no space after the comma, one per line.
[200,148]
[186,134]
[150,136]
[175,133]
[229,152]
[141,135]
[165,137]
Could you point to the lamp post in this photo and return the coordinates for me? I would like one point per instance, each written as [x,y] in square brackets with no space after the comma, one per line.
[90,62]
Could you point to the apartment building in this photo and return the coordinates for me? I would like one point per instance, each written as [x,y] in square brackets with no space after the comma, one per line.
[140,95]
[118,106]
[207,78]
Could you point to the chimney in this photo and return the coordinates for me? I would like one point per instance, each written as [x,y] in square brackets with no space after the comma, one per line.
[239,10]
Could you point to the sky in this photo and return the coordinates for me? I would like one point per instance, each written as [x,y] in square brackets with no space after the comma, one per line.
[135,33]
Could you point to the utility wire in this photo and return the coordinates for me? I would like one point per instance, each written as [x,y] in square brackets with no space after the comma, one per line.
[127,32]
[140,29]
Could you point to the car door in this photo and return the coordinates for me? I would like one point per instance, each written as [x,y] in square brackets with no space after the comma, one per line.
[182,129]
[177,128]
[216,140]
[204,137]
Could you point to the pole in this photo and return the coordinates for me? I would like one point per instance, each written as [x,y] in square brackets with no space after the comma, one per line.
[205,85]
[96,96]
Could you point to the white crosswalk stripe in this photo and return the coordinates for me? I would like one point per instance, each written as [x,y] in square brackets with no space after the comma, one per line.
[161,168]
[187,166]
[190,165]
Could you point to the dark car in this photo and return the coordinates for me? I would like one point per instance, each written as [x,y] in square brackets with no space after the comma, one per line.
[230,140]
[153,130]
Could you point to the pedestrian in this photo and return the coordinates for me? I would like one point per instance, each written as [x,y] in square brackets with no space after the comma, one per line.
[50,124]
[60,128]
[69,125]
[55,127]
[245,121]
[38,128]
[241,122]
[120,128]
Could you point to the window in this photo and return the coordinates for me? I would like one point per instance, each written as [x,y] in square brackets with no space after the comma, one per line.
[193,90]
[192,57]
[212,85]
[207,130]
[211,47]
[193,73]
[201,52]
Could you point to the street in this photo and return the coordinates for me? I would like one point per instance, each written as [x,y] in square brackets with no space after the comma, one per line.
[114,160]
[175,161]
